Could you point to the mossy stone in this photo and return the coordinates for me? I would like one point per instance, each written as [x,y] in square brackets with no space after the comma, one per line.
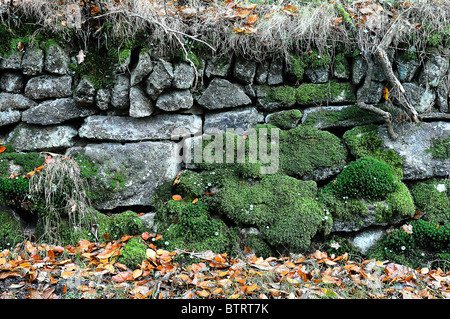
[133,253]
[11,232]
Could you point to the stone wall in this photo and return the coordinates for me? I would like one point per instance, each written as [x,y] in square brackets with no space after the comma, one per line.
[126,128]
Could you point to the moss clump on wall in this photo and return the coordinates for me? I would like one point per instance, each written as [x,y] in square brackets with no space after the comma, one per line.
[27,161]
[286,120]
[366,177]
[11,231]
[364,141]
[305,149]
[352,114]
[425,242]
[193,228]
[308,61]
[431,197]
[133,253]
[96,68]
[284,209]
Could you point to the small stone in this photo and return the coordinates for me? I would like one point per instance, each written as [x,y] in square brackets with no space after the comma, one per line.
[85,92]
[120,98]
[33,61]
[222,94]
[175,100]
[56,60]
[49,86]
[11,82]
[140,104]
[142,69]
[183,76]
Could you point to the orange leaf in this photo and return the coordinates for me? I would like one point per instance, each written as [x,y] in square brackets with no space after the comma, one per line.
[385,93]
[137,273]
[203,293]
[195,201]
[145,235]
[338,20]
[2,149]
[176,197]
[252,287]
[95,10]
[20,46]
[252,19]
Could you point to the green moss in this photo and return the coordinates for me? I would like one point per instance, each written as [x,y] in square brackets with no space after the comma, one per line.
[284,209]
[433,203]
[440,149]
[286,120]
[320,93]
[341,65]
[258,245]
[308,60]
[27,161]
[191,184]
[366,177]
[196,230]
[285,94]
[11,232]
[133,253]
[305,149]
[352,113]
[13,191]
[126,223]
[364,141]
[97,68]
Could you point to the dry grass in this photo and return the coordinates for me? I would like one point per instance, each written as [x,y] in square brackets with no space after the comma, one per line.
[311,24]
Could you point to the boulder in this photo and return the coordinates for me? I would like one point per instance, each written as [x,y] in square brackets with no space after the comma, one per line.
[183,76]
[415,145]
[11,82]
[56,60]
[142,69]
[49,86]
[132,171]
[326,117]
[85,92]
[38,138]
[420,97]
[243,118]
[160,79]
[223,94]
[120,98]
[434,70]
[12,60]
[275,74]
[10,101]
[9,117]
[55,112]
[218,66]
[140,104]
[244,70]
[175,100]
[103,99]
[128,129]
[33,61]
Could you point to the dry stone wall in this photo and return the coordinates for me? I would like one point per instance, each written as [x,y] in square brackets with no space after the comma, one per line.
[126,128]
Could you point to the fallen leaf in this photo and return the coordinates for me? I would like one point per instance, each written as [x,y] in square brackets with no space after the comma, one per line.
[137,273]
[2,149]
[80,56]
[203,293]
[252,19]
[176,197]
[385,93]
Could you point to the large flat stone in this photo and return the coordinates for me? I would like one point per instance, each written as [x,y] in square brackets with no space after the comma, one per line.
[49,86]
[55,112]
[243,118]
[37,138]
[128,129]
[11,101]
[132,171]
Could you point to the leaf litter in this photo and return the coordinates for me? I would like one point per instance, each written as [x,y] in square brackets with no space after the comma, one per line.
[92,270]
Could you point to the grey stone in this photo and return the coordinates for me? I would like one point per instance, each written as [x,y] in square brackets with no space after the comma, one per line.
[140,104]
[10,101]
[9,117]
[374,94]
[33,61]
[120,94]
[275,75]
[434,70]
[358,69]
[12,60]
[160,79]
[142,69]
[244,70]
[49,86]
[148,220]
[407,68]
[103,99]
[243,118]
[265,104]
[175,100]
[222,94]
[218,66]
[317,75]
[11,82]
[413,146]
[366,238]
[128,129]
[420,97]
[55,112]
[38,138]
[368,219]
[442,96]
[183,76]
[261,73]
[143,166]
[85,92]
[56,60]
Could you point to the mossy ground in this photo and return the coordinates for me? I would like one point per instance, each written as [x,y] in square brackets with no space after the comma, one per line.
[11,231]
